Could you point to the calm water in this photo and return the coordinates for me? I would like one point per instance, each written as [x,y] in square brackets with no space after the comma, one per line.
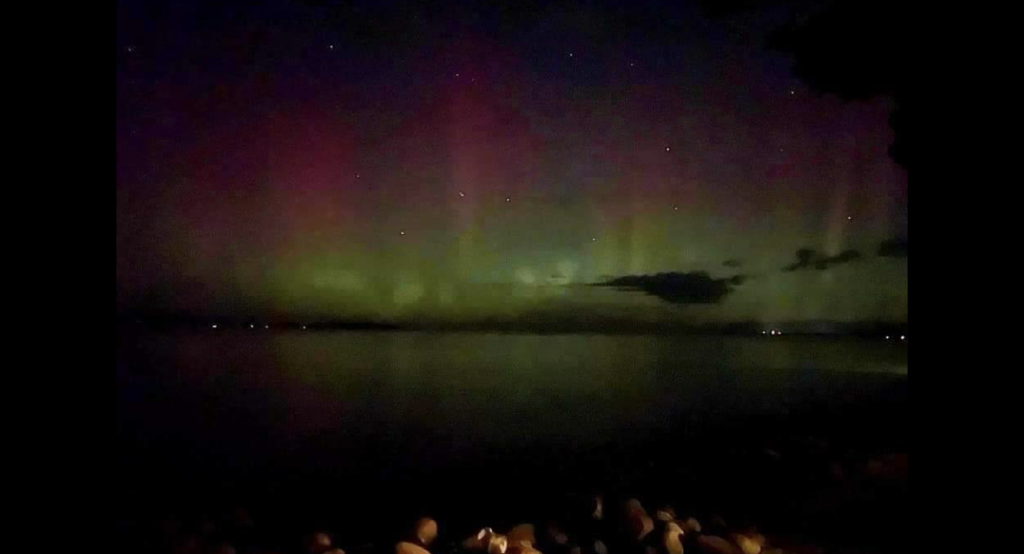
[282,413]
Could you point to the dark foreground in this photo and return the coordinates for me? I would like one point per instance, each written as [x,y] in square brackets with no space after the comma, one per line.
[823,470]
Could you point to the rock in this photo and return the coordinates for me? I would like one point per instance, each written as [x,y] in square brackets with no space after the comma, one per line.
[523,547]
[716,545]
[691,526]
[478,541]
[208,528]
[240,519]
[488,541]
[522,533]
[672,539]
[498,544]
[426,531]
[557,536]
[747,544]
[637,523]
[319,543]
[600,548]
[665,514]
[598,512]
[409,548]
[640,525]
[718,526]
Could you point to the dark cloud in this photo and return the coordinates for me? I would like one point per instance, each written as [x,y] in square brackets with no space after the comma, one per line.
[679,288]
[804,258]
[830,56]
[733,263]
[843,258]
[807,259]
[893,248]
[825,40]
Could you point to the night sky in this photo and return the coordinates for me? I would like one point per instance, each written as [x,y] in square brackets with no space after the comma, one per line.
[489,161]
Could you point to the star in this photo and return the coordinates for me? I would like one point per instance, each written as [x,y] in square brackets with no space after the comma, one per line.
[849,218]
[331,47]
[131,49]
[508,199]
[668,148]
[402,233]
[792,92]
[571,54]
[676,208]
[462,194]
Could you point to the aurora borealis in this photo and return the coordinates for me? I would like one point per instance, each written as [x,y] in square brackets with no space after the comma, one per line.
[444,162]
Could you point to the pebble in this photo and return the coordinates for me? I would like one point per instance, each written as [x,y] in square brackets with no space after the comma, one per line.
[717,545]
[426,531]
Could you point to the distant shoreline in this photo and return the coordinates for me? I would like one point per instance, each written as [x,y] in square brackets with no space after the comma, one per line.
[896,332]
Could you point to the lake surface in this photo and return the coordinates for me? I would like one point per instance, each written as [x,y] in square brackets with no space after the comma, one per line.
[430,418]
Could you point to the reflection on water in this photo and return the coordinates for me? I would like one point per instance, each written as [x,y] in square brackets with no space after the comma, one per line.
[389,409]
[477,387]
